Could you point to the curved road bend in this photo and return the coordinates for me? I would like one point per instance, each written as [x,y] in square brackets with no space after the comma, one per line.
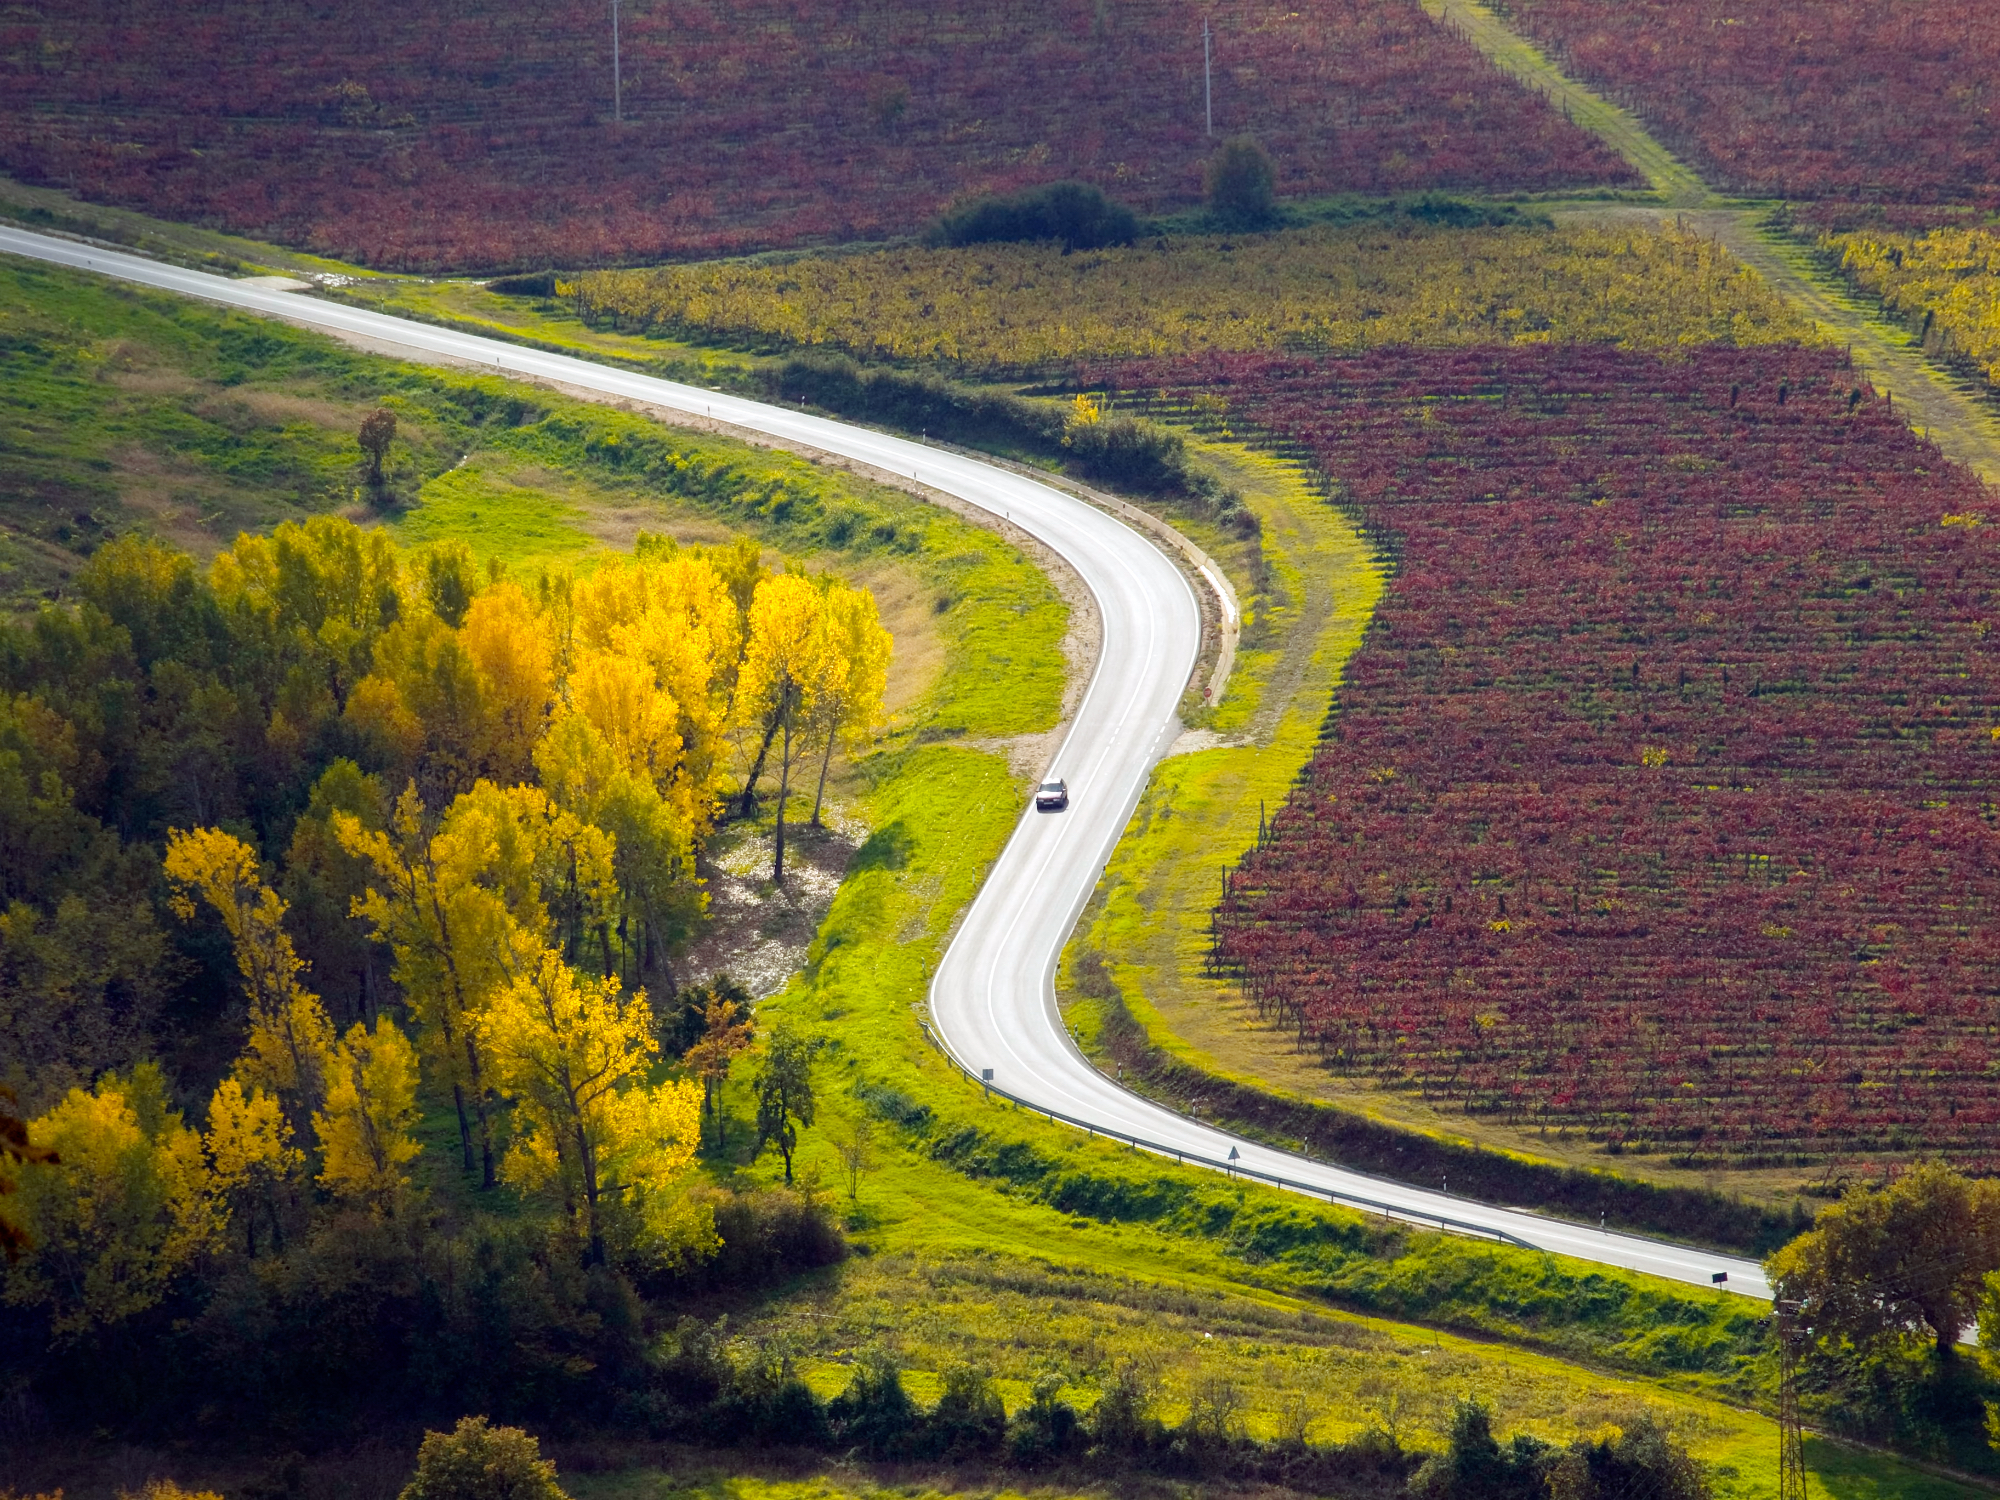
[993,998]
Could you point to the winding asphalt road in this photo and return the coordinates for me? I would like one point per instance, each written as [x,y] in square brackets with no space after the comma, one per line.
[993,997]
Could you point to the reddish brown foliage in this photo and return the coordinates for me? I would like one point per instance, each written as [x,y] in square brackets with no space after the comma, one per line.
[1854,98]
[1663,791]
[423,136]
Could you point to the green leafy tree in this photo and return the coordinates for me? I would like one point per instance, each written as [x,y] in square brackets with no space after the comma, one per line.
[476,1461]
[378,431]
[1240,185]
[969,1420]
[1476,1467]
[1884,1264]
[785,1091]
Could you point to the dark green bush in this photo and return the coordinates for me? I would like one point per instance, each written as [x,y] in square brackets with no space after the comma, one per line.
[1046,1430]
[1476,1467]
[1241,186]
[875,1414]
[969,1420]
[1074,214]
[535,284]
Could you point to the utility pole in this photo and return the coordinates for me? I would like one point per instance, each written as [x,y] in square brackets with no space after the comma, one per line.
[1207,81]
[617,75]
[1791,1440]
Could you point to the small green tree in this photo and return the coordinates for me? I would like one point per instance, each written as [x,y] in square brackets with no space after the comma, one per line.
[969,1420]
[1241,185]
[1477,1467]
[478,1462]
[857,1154]
[784,1091]
[1885,1263]
[378,431]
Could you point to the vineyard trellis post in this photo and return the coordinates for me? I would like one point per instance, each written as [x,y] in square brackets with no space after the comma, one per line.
[1207,83]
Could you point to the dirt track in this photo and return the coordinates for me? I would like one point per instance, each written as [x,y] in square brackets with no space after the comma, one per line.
[1956,414]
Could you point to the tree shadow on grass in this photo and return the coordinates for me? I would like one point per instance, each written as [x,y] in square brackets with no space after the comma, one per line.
[887,848]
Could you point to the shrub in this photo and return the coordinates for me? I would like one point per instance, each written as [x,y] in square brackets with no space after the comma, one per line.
[1240,185]
[765,1403]
[1641,1460]
[875,1414]
[1476,1467]
[478,1462]
[538,284]
[766,1237]
[1047,1429]
[1122,1422]
[1076,214]
[969,1420]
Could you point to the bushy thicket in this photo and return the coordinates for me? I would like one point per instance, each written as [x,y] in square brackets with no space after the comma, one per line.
[707,1391]
[1640,1463]
[362,1316]
[1074,214]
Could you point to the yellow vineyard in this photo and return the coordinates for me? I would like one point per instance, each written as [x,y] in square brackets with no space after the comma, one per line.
[1946,281]
[1027,306]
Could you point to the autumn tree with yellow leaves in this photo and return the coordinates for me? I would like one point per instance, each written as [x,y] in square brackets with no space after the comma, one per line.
[573,1052]
[846,705]
[371,1105]
[252,1159]
[289,1035]
[129,1210]
[783,666]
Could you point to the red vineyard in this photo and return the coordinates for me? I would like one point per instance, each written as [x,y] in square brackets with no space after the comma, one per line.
[1663,796]
[425,136]
[1874,99]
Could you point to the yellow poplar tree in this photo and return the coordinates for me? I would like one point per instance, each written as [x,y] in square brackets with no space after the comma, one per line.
[504,638]
[782,666]
[290,1035]
[371,1103]
[449,902]
[251,1155]
[847,698]
[125,1211]
[573,1052]
[676,612]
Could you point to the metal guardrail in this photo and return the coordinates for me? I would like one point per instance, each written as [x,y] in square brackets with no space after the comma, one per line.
[1233,1168]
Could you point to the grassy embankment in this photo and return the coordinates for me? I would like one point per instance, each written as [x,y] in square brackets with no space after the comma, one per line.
[977,1219]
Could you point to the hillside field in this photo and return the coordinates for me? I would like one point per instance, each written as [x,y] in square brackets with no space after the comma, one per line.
[421,138]
[1839,98]
[1026,308]
[1656,800]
